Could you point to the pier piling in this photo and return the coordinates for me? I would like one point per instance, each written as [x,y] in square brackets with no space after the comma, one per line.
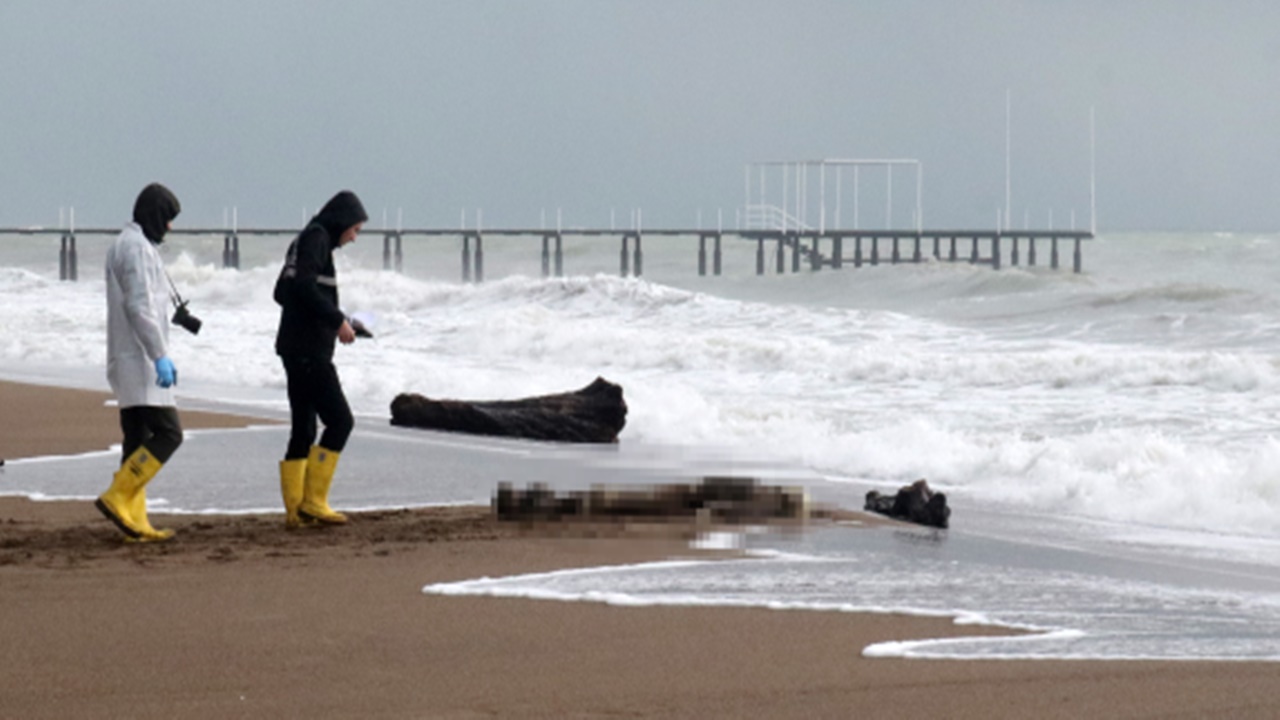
[67,262]
[466,258]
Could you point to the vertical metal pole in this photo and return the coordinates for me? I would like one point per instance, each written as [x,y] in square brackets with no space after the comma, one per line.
[63,273]
[760,255]
[915,256]
[1008,152]
[1093,184]
[799,215]
[896,256]
[399,253]
[386,251]
[559,256]
[1077,263]
[952,256]
[855,198]
[781,259]
[715,257]
[875,250]
[1013,252]
[888,198]
[822,197]
[919,196]
[785,186]
[837,252]
[1031,252]
[702,255]
[479,254]
[625,259]
[73,265]
[995,251]
[762,185]
[1053,253]
[639,257]
[546,256]
[837,224]
[973,252]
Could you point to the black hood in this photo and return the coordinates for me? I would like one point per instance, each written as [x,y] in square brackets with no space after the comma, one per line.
[154,209]
[340,213]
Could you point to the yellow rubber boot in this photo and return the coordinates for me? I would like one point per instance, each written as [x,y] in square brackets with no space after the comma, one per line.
[125,502]
[139,512]
[293,478]
[321,464]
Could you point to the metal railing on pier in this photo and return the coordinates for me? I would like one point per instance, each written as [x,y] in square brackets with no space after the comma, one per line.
[805,247]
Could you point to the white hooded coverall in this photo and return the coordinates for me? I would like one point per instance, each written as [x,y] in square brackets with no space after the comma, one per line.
[137,319]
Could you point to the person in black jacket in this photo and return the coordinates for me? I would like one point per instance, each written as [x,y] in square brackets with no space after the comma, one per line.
[310,321]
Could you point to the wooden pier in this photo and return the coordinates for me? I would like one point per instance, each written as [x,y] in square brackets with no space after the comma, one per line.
[807,249]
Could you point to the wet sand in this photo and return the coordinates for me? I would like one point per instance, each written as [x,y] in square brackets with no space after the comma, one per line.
[237,618]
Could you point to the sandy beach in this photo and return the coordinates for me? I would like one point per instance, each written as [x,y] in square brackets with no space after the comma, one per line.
[237,618]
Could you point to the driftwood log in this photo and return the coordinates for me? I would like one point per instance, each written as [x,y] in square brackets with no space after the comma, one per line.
[914,503]
[730,500]
[594,414]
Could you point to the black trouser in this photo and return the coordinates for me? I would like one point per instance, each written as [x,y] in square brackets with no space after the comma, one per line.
[156,426]
[314,390]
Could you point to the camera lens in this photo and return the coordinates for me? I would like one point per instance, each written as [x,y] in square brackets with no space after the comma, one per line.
[183,318]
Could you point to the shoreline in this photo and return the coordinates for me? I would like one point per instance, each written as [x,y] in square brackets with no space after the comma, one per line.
[237,617]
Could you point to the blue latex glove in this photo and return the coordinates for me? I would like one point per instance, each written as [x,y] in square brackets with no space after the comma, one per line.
[166,373]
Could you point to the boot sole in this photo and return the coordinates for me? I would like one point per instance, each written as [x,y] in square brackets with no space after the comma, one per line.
[308,519]
[106,510]
[301,523]
[149,538]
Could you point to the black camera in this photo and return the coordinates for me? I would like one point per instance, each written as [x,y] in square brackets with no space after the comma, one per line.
[183,318]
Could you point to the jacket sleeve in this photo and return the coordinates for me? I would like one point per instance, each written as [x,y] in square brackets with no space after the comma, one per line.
[135,283]
[313,253]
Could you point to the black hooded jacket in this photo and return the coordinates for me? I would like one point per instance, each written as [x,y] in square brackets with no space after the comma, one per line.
[154,209]
[307,289]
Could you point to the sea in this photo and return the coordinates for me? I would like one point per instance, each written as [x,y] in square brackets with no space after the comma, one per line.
[1108,441]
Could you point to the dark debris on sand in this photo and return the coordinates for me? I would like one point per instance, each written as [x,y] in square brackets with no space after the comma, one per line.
[75,543]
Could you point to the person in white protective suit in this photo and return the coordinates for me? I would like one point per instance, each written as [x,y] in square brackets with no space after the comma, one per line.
[141,374]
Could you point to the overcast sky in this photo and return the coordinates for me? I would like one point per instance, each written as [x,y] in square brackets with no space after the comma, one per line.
[592,106]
